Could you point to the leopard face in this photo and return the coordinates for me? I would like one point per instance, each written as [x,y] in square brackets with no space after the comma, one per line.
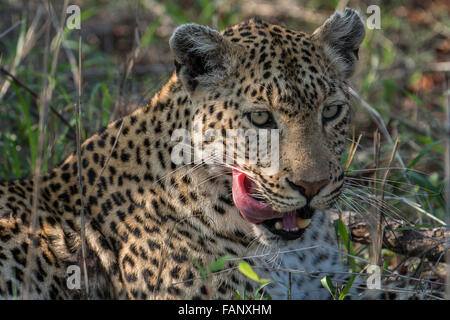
[256,77]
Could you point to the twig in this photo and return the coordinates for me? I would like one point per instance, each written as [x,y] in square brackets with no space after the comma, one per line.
[428,242]
[275,252]
[4,33]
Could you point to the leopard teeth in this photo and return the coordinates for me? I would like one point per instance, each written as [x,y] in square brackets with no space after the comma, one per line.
[302,223]
[278,225]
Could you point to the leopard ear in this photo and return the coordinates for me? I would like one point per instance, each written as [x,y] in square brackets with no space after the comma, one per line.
[342,35]
[203,57]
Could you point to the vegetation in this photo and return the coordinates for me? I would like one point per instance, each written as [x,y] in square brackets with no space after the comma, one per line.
[396,166]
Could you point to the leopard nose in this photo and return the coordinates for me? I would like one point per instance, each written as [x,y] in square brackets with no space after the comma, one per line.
[309,188]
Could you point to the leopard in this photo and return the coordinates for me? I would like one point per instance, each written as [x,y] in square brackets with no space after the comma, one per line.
[138,218]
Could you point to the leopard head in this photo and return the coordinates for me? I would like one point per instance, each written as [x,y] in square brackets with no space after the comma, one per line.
[263,80]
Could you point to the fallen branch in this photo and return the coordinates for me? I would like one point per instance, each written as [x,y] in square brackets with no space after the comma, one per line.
[430,243]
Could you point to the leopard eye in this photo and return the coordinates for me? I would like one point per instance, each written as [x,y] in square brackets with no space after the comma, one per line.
[331,112]
[260,118]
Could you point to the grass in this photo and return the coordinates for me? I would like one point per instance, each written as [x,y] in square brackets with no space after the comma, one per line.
[397,78]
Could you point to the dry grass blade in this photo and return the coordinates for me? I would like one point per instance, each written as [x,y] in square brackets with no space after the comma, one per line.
[380,227]
[37,174]
[351,155]
[382,127]
[110,154]
[378,233]
[353,148]
[69,53]
[80,176]
[416,207]
[391,159]
[447,175]
[23,47]
[46,95]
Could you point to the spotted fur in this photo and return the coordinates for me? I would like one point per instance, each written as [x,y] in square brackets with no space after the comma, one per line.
[149,222]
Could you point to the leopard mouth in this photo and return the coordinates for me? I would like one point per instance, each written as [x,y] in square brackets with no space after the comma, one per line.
[288,225]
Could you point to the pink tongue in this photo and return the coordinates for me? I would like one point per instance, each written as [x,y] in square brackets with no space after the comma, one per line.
[289,221]
[253,210]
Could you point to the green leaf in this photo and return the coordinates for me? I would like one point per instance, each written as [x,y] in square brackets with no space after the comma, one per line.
[176,13]
[347,287]
[149,33]
[202,270]
[434,179]
[418,226]
[30,130]
[106,102]
[386,265]
[343,233]
[247,271]
[265,295]
[421,181]
[342,230]
[422,152]
[327,284]
[219,264]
